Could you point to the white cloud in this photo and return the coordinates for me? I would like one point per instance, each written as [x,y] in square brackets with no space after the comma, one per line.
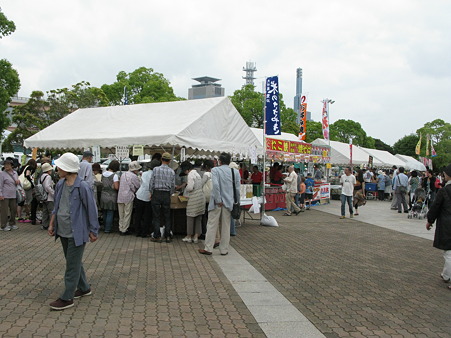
[385,63]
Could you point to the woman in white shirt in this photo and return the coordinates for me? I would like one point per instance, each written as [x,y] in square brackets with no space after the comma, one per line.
[196,203]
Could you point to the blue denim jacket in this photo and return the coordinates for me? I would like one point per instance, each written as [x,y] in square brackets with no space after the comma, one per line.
[83,210]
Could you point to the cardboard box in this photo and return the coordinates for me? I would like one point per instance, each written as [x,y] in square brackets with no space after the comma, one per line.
[178,202]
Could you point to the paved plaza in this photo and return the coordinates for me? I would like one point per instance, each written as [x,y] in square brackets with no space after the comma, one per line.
[376,275]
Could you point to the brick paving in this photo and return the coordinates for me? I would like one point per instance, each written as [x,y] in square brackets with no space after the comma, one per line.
[140,288]
[349,278]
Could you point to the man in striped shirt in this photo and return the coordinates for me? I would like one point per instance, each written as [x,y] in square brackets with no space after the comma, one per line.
[162,185]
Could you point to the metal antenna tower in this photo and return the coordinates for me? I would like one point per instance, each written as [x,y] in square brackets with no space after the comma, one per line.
[250,69]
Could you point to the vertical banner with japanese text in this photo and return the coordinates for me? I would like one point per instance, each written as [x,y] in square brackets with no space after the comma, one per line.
[325,120]
[272,109]
[303,118]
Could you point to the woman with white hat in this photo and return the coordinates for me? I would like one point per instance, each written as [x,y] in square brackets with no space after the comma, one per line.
[75,221]
[47,205]
[128,186]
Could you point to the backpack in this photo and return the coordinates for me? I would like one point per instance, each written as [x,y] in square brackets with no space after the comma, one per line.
[39,191]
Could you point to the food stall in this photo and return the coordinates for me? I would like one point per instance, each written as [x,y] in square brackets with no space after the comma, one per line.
[186,129]
[296,152]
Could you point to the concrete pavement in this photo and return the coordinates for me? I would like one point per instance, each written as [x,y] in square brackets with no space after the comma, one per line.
[314,275]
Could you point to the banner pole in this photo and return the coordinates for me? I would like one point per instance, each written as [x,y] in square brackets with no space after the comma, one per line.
[264,149]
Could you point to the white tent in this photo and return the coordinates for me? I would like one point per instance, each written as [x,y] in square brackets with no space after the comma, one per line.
[284,136]
[410,163]
[202,126]
[387,159]
[340,153]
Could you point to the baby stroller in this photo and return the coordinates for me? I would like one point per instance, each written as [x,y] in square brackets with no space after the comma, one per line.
[419,204]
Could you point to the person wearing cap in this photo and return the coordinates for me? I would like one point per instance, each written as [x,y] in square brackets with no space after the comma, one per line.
[128,185]
[74,221]
[85,172]
[9,180]
[440,211]
[47,183]
[162,185]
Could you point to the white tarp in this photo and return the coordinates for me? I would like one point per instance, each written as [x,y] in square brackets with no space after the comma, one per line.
[206,125]
[340,153]
[410,163]
[387,159]
[284,136]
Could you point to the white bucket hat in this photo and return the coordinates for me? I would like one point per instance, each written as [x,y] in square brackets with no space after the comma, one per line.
[68,162]
[134,166]
[46,167]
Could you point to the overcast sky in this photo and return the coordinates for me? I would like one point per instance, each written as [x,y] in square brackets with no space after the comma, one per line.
[386,63]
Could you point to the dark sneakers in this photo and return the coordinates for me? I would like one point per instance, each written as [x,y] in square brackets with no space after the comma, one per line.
[156,240]
[80,293]
[61,304]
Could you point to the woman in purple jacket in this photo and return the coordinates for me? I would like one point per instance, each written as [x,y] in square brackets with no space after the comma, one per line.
[74,220]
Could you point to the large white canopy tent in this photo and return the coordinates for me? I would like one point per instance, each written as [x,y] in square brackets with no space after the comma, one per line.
[204,126]
[340,153]
[387,159]
[410,163]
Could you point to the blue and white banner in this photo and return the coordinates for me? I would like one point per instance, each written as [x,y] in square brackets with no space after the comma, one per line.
[272,109]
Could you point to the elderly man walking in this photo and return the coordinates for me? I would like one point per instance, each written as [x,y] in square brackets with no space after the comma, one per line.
[291,182]
[221,205]
[400,183]
[162,185]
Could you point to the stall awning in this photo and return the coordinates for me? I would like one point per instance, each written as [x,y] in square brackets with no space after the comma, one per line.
[209,125]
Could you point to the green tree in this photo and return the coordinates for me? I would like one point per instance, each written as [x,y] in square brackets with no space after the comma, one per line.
[379,144]
[440,134]
[143,85]
[29,118]
[314,131]
[6,26]
[9,77]
[344,130]
[249,104]
[81,95]
[406,145]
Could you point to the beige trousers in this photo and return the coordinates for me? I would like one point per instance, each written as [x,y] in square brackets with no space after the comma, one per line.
[125,215]
[215,217]
[289,199]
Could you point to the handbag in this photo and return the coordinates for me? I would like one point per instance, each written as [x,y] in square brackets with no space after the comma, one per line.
[402,189]
[20,194]
[26,184]
[236,210]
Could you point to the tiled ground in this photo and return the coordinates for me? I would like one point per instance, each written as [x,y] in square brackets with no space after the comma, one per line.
[140,288]
[351,278]
[347,277]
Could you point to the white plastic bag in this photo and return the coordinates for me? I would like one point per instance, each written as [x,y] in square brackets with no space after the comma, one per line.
[269,221]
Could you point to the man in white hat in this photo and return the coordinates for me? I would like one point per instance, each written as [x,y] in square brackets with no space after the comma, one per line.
[74,221]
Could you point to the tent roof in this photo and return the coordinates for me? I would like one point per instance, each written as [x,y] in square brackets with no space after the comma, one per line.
[284,136]
[410,163]
[210,125]
[340,153]
[383,156]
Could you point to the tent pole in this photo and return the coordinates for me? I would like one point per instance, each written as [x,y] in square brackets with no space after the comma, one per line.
[264,149]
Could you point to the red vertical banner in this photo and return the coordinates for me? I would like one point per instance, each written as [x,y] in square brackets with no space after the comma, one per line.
[350,152]
[303,118]
[325,120]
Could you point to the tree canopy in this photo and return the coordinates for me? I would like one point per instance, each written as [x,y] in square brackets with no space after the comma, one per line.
[143,85]
[440,135]
[250,105]
[344,130]
[9,77]
[406,145]
[6,26]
